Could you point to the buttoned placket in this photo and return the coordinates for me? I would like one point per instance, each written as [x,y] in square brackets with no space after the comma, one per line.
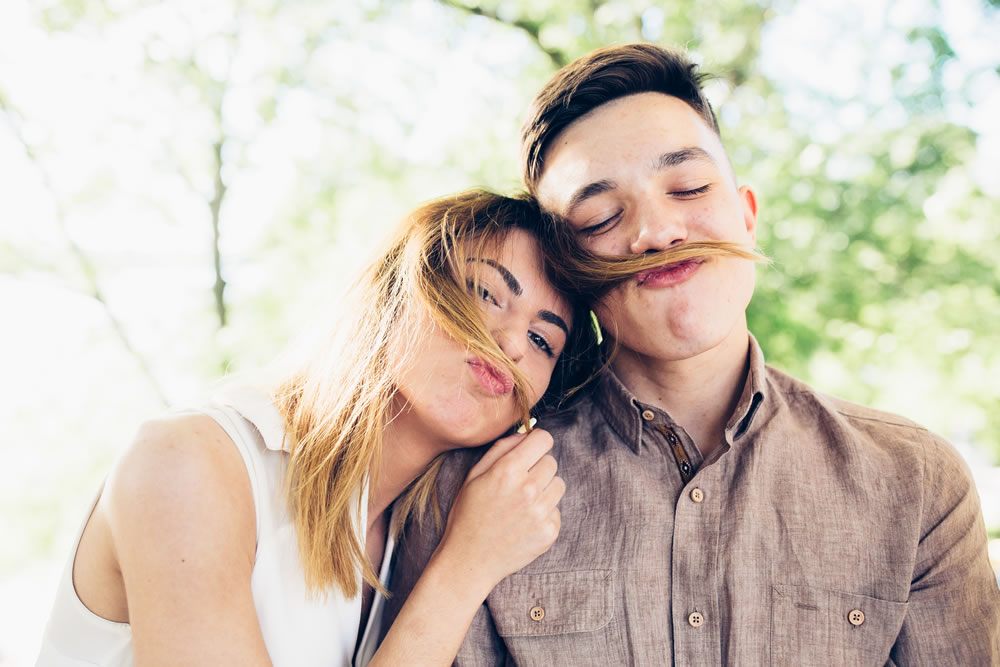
[694,568]
[693,581]
[673,466]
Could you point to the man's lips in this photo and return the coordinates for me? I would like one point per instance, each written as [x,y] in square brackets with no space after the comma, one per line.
[493,380]
[670,274]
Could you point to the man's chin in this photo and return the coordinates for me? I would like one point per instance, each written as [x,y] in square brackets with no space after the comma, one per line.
[675,341]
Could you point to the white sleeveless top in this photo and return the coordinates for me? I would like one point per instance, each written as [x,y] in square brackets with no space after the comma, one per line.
[297,629]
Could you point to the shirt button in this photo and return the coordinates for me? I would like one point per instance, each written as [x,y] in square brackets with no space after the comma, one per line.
[696,619]
[648,415]
[856,617]
[536,613]
[697,495]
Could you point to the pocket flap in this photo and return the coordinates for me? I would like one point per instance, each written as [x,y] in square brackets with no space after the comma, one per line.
[535,605]
[818,626]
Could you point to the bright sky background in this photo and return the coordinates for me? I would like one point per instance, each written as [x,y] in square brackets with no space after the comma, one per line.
[110,137]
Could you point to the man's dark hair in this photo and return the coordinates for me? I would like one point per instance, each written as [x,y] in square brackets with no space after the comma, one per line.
[599,77]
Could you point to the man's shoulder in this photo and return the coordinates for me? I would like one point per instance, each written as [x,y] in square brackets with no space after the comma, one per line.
[584,418]
[581,411]
[798,395]
[455,466]
[860,424]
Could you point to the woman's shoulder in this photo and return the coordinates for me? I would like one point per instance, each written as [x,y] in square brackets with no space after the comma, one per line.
[178,453]
[178,527]
[181,478]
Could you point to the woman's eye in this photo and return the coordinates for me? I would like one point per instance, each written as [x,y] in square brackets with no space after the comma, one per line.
[482,292]
[690,193]
[541,343]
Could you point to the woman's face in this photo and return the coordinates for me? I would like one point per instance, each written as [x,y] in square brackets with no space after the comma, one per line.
[454,397]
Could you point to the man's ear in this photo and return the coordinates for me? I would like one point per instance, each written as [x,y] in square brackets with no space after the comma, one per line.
[749,201]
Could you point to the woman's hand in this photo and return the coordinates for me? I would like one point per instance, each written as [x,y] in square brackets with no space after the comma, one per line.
[506,514]
[504,517]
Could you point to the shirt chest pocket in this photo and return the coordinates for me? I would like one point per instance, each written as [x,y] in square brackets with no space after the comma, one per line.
[543,618]
[814,626]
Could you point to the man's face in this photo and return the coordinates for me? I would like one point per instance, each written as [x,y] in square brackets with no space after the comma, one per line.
[643,173]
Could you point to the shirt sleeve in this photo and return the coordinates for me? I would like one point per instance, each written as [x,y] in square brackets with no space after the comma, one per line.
[953,611]
[482,647]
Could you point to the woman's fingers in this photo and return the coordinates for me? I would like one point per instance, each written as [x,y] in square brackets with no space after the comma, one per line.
[527,452]
[514,454]
[545,467]
[493,454]
[552,494]
[541,474]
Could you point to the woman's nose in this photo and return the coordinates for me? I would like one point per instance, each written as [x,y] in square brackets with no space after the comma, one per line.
[508,344]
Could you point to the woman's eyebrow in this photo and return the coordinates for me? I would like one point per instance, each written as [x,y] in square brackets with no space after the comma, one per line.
[552,318]
[515,287]
[507,276]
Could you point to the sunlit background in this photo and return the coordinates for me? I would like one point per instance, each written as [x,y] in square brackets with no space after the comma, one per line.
[185,186]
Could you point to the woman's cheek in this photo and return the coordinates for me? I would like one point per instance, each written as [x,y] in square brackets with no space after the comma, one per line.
[538,375]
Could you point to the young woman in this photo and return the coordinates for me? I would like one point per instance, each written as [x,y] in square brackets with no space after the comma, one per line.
[259,529]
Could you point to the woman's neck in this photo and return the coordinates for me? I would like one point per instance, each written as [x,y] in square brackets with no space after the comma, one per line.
[407,450]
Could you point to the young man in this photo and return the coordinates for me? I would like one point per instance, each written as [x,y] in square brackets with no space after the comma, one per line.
[717,510]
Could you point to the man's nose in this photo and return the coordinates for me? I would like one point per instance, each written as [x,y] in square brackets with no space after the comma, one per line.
[659,227]
[509,344]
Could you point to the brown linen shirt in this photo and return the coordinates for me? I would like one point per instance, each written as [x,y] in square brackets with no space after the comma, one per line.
[820,533]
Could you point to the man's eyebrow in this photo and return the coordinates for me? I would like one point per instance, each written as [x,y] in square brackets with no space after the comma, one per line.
[588,191]
[507,276]
[552,318]
[674,158]
[671,159]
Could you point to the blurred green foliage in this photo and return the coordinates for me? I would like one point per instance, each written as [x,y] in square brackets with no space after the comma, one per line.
[885,247]
[885,287]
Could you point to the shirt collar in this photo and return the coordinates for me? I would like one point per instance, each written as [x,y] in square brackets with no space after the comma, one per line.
[753,395]
[620,408]
[623,412]
[257,408]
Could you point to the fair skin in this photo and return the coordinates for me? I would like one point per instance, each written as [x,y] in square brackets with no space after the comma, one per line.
[174,529]
[645,173]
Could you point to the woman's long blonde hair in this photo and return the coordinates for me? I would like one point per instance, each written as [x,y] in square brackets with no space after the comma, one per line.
[337,405]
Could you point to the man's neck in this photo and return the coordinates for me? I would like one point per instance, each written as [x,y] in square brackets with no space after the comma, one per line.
[700,392]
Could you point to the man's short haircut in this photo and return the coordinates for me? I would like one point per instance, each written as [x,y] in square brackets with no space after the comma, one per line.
[599,77]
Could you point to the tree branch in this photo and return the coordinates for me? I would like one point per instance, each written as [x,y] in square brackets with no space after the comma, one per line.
[86,265]
[533,30]
[215,206]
